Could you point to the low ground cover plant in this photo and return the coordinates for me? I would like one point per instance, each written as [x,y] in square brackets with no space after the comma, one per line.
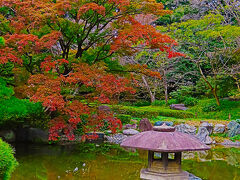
[7,161]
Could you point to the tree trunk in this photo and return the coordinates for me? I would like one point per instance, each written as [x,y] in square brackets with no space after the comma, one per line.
[148,89]
[166,94]
[237,83]
[79,52]
[214,91]
[165,87]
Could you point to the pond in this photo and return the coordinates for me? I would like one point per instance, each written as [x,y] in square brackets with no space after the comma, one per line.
[106,162]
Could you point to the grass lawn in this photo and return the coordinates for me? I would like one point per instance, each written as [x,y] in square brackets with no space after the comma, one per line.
[222,113]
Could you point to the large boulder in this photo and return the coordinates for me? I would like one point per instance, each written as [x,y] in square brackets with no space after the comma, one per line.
[130,126]
[178,107]
[22,134]
[203,135]
[33,135]
[232,124]
[130,132]
[8,135]
[230,143]
[37,135]
[219,128]
[160,123]
[145,125]
[233,128]
[185,128]
[116,138]
[193,177]
[208,126]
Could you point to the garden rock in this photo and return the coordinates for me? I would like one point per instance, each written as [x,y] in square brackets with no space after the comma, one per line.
[130,126]
[145,125]
[160,123]
[193,177]
[232,124]
[233,128]
[64,140]
[185,128]
[130,132]
[8,135]
[104,108]
[208,126]
[108,132]
[178,107]
[203,135]
[116,138]
[230,143]
[219,128]
[99,139]
[22,134]
[37,135]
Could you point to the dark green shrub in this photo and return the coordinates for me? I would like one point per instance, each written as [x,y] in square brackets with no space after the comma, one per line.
[235,138]
[159,103]
[7,161]
[134,112]
[190,101]
[126,103]
[2,41]
[182,92]
[140,103]
[151,112]
[125,119]
[14,110]
[184,95]
[210,107]
[172,101]
[5,92]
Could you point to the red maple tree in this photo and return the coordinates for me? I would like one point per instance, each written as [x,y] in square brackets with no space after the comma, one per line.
[63,45]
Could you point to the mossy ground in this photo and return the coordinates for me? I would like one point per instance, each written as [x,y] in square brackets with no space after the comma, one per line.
[205,110]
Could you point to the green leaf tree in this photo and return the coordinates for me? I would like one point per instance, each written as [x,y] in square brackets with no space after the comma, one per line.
[209,43]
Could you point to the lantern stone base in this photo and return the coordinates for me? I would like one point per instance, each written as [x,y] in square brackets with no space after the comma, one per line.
[148,175]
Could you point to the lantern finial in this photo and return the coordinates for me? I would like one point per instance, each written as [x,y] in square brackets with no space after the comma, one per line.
[164,128]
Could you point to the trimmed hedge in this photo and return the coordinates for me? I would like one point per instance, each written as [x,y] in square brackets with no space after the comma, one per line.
[125,119]
[150,112]
[7,161]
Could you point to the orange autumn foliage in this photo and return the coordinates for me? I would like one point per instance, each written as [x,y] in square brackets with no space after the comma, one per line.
[49,30]
[47,89]
[91,6]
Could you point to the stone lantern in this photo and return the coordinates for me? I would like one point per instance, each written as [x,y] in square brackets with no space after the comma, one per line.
[165,147]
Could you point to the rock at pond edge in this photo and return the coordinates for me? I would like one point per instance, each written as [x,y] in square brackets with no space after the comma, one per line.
[160,123]
[203,136]
[185,128]
[130,132]
[145,125]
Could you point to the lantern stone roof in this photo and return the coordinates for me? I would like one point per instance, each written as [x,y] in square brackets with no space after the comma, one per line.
[164,139]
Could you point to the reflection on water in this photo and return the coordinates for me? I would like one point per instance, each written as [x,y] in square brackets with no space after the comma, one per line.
[45,162]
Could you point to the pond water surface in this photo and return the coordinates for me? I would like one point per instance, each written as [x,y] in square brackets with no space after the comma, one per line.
[46,162]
